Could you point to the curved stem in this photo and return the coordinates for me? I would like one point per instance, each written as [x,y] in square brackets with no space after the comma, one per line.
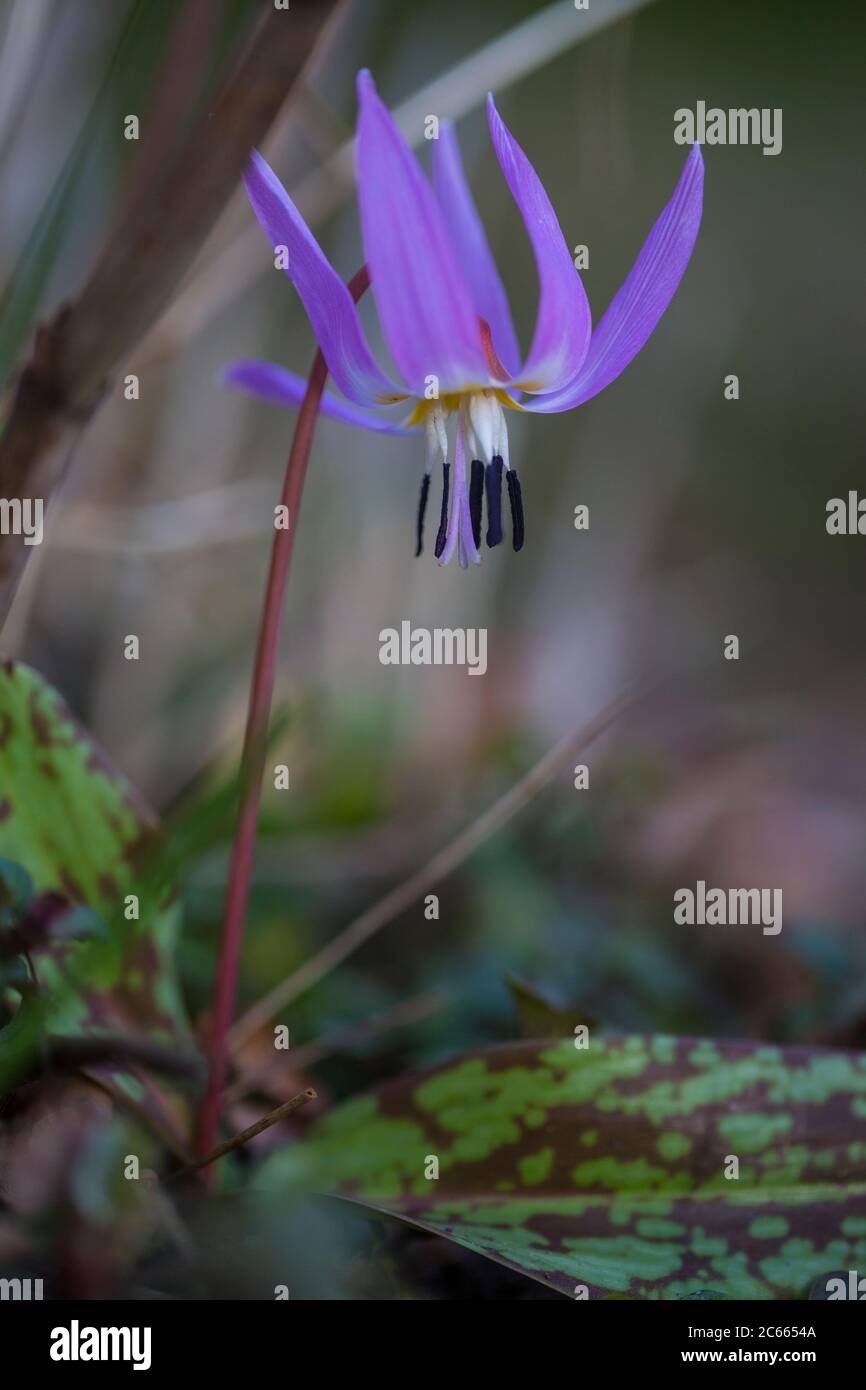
[255,743]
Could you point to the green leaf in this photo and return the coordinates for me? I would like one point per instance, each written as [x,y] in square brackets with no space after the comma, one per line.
[76,826]
[24,1029]
[539,1016]
[606,1167]
[16,889]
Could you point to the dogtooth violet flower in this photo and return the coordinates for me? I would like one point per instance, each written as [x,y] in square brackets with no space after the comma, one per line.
[445,317]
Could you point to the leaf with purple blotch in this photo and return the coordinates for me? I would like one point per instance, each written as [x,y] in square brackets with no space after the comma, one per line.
[606,1168]
[81,833]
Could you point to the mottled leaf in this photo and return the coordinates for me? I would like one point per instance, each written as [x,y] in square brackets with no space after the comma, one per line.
[78,829]
[606,1167]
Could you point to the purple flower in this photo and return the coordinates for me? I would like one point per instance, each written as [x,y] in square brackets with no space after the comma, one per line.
[445,315]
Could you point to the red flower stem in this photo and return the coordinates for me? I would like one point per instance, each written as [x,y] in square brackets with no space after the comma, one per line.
[254,750]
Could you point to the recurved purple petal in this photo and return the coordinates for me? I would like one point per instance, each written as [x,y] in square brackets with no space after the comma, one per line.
[424,302]
[470,241]
[564,323]
[326,299]
[646,293]
[270,382]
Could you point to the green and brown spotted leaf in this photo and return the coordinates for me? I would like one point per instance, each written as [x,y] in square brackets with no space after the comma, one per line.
[606,1167]
[77,827]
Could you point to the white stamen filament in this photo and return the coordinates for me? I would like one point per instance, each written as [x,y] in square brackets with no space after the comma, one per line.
[489,430]
[437,415]
[472,448]
[437,438]
[483,410]
[502,441]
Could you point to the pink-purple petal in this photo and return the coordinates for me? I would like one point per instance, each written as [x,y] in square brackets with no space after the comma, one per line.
[329,305]
[564,324]
[646,293]
[270,382]
[470,241]
[424,303]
